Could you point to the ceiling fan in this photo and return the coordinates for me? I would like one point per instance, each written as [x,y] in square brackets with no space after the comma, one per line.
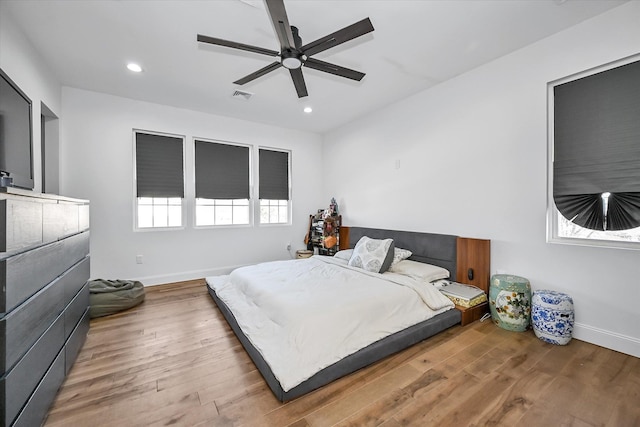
[293,54]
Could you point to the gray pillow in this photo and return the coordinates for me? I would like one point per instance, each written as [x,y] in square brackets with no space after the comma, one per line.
[372,254]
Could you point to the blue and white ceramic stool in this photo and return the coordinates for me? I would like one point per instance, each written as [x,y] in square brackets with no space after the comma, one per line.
[510,302]
[552,316]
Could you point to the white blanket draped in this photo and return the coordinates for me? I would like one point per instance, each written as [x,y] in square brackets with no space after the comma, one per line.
[304,315]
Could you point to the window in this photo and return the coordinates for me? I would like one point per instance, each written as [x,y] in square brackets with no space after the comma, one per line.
[274,186]
[159,180]
[222,211]
[222,184]
[274,211]
[594,177]
[569,230]
[159,212]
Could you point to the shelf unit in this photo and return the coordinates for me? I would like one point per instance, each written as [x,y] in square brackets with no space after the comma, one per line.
[321,228]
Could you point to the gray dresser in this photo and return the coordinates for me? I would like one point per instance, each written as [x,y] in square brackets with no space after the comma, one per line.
[44,299]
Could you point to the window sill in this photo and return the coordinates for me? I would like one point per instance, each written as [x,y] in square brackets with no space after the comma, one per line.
[609,244]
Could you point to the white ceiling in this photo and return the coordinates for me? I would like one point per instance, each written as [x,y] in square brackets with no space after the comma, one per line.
[416,45]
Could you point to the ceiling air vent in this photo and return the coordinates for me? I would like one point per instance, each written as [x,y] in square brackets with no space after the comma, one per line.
[240,94]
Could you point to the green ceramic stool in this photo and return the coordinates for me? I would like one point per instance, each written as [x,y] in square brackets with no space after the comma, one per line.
[510,302]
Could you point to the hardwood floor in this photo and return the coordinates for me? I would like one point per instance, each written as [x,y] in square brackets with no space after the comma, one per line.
[174,361]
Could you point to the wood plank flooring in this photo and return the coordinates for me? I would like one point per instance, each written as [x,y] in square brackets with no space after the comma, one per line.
[173,360]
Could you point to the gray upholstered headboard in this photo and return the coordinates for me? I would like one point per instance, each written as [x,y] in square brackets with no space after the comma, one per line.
[436,249]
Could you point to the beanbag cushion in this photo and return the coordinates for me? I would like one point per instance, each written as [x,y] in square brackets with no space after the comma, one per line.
[111,296]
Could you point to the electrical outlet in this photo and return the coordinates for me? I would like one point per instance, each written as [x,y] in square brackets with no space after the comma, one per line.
[289,246]
[138,259]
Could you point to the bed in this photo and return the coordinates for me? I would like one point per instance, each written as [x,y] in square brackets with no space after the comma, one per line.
[244,298]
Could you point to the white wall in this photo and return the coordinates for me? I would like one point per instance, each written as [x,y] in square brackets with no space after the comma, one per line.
[21,62]
[472,156]
[472,162]
[97,164]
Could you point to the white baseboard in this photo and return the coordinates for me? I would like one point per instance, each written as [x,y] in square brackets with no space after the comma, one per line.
[185,275]
[612,340]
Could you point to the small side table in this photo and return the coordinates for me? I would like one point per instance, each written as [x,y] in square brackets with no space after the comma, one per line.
[303,253]
[510,302]
[552,316]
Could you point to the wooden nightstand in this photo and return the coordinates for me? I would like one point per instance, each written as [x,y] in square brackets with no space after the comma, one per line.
[473,264]
[471,314]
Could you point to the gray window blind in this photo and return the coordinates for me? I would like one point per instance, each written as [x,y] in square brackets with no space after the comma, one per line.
[274,175]
[159,166]
[597,149]
[222,171]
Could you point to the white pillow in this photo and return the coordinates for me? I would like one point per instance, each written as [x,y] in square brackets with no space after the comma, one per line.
[420,270]
[399,254]
[344,254]
[372,254]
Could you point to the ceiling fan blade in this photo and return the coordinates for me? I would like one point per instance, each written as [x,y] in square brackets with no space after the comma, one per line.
[280,22]
[333,69]
[235,45]
[298,82]
[334,39]
[259,73]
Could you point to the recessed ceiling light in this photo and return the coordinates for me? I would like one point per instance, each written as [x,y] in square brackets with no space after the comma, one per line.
[132,66]
[308,109]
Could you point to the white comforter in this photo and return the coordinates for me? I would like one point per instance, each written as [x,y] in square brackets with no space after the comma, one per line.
[304,315]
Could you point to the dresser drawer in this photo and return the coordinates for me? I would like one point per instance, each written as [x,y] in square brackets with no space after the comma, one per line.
[30,222]
[20,224]
[75,310]
[76,277]
[20,328]
[24,274]
[59,220]
[18,384]
[36,409]
[83,217]
[76,341]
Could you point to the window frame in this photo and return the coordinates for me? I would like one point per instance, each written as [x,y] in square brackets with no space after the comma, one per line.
[167,204]
[552,212]
[256,195]
[194,202]
[136,227]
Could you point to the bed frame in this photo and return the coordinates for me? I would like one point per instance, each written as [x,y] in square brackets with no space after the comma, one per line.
[467,261]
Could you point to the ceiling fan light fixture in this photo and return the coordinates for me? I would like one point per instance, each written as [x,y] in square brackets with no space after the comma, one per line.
[293,54]
[291,62]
